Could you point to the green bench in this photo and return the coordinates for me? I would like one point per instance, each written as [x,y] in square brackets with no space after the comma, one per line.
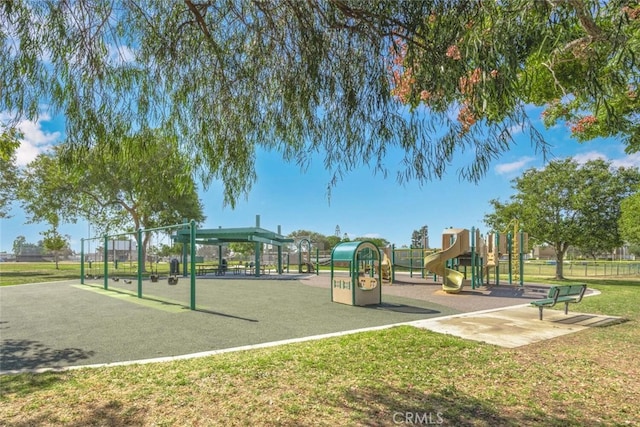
[557,294]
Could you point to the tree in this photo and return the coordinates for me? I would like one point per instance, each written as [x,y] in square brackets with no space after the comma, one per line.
[567,204]
[8,171]
[243,248]
[23,248]
[635,250]
[117,191]
[629,220]
[420,238]
[490,59]
[9,143]
[318,240]
[332,241]
[18,243]
[55,243]
[380,242]
[325,76]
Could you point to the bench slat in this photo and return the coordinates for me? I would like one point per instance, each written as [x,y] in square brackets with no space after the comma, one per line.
[565,294]
[547,301]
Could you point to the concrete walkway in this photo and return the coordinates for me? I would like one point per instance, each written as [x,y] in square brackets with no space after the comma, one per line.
[514,326]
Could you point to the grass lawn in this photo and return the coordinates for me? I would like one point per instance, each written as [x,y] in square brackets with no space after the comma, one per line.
[16,273]
[398,376]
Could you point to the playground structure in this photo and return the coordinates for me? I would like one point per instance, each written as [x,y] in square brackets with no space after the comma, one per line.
[257,235]
[185,234]
[141,256]
[304,256]
[455,243]
[368,265]
[513,244]
[464,248]
[385,265]
[364,266]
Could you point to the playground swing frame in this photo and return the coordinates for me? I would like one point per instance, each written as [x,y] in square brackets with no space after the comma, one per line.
[83,273]
[189,238]
[153,275]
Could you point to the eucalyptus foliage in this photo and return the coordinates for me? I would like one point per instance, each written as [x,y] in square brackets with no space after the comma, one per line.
[327,77]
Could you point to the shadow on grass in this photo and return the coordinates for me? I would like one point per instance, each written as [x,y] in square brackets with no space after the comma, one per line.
[19,355]
[110,413]
[445,406]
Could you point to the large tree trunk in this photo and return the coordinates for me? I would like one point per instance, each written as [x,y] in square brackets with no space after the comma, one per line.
[561,250]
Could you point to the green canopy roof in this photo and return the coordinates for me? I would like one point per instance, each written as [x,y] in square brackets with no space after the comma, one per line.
[347,251]
[219,236]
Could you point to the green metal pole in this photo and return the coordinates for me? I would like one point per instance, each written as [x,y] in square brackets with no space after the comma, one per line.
[82,261]
[497,253]
[410,261]
[331,274]
[141,262]
[473,257]
[257,258]
[106,262]
[192,241]
[509,251]
[521,255]
[280,253]
[393,263]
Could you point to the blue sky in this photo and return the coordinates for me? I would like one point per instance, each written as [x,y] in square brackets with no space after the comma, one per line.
[362,204]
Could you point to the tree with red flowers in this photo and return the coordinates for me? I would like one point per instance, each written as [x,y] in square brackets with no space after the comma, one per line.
[332,77]
[486,60]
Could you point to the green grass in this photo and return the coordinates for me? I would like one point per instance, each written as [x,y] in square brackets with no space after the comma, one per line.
[387,377]
[17,273]
[13,273]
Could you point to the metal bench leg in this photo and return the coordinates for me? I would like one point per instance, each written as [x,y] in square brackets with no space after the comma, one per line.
[566,308]
[540,308]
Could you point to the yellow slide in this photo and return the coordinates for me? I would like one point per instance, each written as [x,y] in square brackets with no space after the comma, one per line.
[452,280]
[385,267]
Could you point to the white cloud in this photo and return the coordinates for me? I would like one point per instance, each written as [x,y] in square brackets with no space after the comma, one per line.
[506,168]
[630,161]
[35,139]
[583,158]
[627,161]
[120,55]
[516,129]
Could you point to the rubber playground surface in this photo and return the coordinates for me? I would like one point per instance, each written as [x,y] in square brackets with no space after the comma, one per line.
[63,324]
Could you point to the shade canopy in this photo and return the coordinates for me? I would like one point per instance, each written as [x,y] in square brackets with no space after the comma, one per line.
[355,251]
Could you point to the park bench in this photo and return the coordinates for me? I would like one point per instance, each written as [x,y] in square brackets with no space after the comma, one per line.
[218,270]
[557,294]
